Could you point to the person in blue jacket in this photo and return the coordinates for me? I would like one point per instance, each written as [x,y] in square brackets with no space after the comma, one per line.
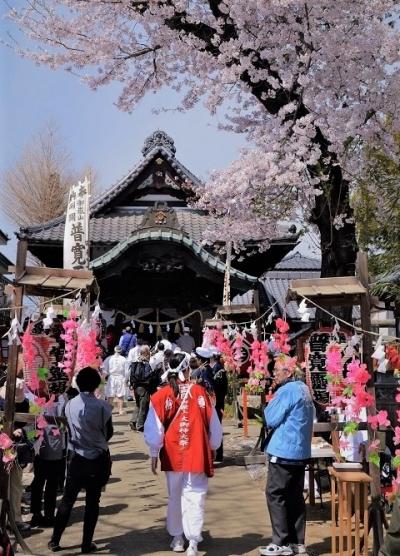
[127,341]
[290,415]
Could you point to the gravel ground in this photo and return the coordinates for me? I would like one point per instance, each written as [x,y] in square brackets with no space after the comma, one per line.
[132,514]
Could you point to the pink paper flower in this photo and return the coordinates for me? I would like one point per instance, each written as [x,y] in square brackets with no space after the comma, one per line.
[379,420]
[374,446]
[8,456]
[41,422]
[396,438]
[5,441]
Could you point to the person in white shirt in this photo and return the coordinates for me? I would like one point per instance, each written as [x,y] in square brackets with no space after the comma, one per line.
[115,368]
[186,341]
[134,352]
[158,357]
[164,339]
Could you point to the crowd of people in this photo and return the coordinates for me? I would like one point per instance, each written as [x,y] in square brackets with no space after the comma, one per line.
[179,393]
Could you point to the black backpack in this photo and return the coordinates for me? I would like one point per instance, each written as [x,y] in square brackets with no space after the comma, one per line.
[140,372]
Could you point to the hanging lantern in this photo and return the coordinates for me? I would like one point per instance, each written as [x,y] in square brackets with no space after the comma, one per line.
[177,328]
[141,328]
[159,331]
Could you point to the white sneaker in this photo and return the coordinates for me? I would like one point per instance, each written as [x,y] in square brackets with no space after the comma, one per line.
[177,544]
[273,549]
[299,548]
[192,549]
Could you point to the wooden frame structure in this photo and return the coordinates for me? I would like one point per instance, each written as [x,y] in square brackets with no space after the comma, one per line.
[43,282]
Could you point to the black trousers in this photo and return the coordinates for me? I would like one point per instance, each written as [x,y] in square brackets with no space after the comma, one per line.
[286,505]
[142,399]
[88,475]
[47,475]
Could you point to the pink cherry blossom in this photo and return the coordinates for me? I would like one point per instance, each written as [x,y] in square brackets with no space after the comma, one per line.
[308,83]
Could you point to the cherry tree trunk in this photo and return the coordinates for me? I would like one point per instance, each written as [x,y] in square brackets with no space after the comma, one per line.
[337,237]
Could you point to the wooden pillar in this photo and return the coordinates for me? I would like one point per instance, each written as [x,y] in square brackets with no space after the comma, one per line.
[12,368]
[197,327]
[365,306]
[257,304]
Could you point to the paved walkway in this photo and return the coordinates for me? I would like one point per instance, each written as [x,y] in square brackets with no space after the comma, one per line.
[132,517]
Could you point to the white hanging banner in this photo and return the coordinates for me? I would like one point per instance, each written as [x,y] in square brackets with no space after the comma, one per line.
[76,234]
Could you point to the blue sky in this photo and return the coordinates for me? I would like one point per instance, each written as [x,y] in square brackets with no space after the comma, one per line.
[94,130]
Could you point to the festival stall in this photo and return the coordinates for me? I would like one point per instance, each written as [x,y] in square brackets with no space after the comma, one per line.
[49,349]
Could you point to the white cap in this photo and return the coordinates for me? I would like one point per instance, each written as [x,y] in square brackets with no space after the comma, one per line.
[204,352]
[186,329]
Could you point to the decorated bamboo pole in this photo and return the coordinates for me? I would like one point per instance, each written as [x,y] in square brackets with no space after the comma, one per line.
[12,368]
[365,306]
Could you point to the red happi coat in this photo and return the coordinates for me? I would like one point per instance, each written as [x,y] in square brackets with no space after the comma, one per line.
[186,438]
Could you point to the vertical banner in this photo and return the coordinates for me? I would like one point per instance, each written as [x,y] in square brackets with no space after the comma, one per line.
[76,234]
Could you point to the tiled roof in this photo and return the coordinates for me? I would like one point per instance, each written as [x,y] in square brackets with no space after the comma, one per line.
[4,264]
[174,236]
[3,238]
[277,289]
[244,299]
[277,283]
[297,261]
[113,229]
[107,196]
[292,267]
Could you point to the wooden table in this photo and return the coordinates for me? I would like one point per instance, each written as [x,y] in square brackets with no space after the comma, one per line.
[349,486]
[317,453]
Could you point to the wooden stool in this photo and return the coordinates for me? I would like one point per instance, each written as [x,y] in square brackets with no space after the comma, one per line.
[344,484]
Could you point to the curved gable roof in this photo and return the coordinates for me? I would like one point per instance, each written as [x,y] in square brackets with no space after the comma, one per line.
[170,236]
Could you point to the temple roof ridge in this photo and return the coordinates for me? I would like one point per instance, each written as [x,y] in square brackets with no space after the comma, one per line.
[159,142]
[157,139]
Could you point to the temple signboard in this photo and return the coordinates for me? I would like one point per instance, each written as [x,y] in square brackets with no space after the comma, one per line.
[76,232]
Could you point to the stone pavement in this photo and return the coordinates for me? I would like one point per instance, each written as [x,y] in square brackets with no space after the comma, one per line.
[132,514]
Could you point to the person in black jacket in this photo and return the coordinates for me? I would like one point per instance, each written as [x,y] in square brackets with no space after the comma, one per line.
[220,386]
[142,382]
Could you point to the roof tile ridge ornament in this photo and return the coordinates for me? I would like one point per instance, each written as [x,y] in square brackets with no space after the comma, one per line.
[158,139]
[160,215]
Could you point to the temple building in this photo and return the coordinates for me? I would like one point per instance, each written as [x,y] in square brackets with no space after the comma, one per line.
[146,245]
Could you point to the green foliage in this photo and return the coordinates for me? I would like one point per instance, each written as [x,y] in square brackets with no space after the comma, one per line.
[348,391]
[374,458]
[31,435]
[34,409]
[42,373]
[376,203]
[396,462]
